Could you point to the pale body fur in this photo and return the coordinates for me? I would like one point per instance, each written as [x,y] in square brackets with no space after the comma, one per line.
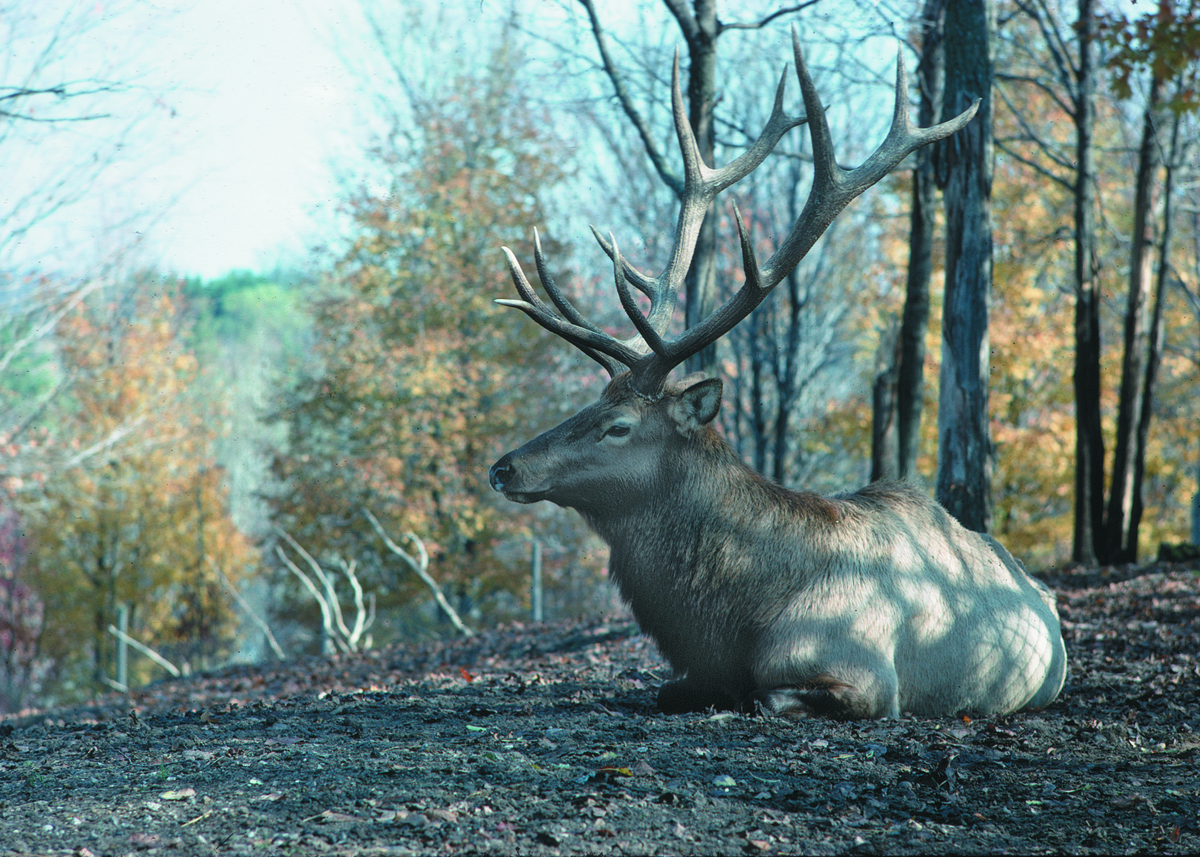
[861,605]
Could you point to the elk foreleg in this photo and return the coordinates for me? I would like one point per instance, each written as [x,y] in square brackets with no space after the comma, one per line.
[688,694]
[826,696]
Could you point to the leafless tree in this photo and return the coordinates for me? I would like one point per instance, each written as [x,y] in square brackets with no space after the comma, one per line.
[964,170]
[334,630]
[67,113]
[701,29]
[26,329]
[1062,66]
[910,371]
[69,105]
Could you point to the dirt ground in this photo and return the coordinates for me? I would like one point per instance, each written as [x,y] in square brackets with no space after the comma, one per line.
[545,740]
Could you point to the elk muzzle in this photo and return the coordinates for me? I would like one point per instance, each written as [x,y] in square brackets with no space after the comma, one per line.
[501,473]
[505,478]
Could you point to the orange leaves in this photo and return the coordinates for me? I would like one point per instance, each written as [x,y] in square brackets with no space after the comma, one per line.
[423,381]
[142,515]
[1164,39]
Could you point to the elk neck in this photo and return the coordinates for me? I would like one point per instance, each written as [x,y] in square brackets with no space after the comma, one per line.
[702,500]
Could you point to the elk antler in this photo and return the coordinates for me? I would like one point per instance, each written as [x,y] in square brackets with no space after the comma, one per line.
[648,355]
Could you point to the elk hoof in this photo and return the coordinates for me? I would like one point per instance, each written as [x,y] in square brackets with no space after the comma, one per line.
[841,702]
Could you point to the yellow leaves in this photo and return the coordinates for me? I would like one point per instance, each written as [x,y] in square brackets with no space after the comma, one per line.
[141,521]
[426,380]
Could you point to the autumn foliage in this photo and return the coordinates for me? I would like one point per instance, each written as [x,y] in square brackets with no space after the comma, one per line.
[423,380]
[140,519]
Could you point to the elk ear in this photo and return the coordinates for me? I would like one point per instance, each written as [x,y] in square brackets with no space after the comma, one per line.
[697,405]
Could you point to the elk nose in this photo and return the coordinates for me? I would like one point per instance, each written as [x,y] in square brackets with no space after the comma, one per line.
[500,473]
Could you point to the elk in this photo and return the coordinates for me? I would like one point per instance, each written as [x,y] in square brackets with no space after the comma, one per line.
[861,605]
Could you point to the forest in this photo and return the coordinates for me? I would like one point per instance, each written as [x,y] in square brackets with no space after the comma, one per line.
[275,462]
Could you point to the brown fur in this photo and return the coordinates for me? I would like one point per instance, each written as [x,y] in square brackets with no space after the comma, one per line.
[863,605]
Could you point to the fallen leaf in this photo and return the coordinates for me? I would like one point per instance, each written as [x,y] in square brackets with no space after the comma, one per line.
[606,775]
[1129,801]
[331,816]
[178,794]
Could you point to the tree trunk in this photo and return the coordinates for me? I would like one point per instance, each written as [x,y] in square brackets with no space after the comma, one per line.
[758,416]
[1121,542]
[910,374]
[885,445]
[964,169]
[787,380]
[1089,437]
[1154,347]
[1196,503]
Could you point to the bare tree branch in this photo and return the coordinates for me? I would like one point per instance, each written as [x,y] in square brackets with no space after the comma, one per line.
[758,25]
[145,650]
[1045,145]
[245,605]
[1066,71]
[672,179]
[60,91]
[326,613]
[107,443]
[1002,145]
[1039,83]
[420,566]
[331,609]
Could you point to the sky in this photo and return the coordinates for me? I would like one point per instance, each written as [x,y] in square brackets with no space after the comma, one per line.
[263,108]
[253,114]
[249,108]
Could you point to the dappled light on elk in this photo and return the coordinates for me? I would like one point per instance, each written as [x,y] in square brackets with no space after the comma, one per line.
[863,605]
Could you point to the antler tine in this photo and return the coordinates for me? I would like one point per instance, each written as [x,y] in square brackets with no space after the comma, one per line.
[560,300]
[649,356]
[651,336]
[833,187]
[606,350]
[749,296]
[702,183]
[644,284]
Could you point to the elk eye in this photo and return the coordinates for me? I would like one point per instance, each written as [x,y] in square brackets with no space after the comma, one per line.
[616,430]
